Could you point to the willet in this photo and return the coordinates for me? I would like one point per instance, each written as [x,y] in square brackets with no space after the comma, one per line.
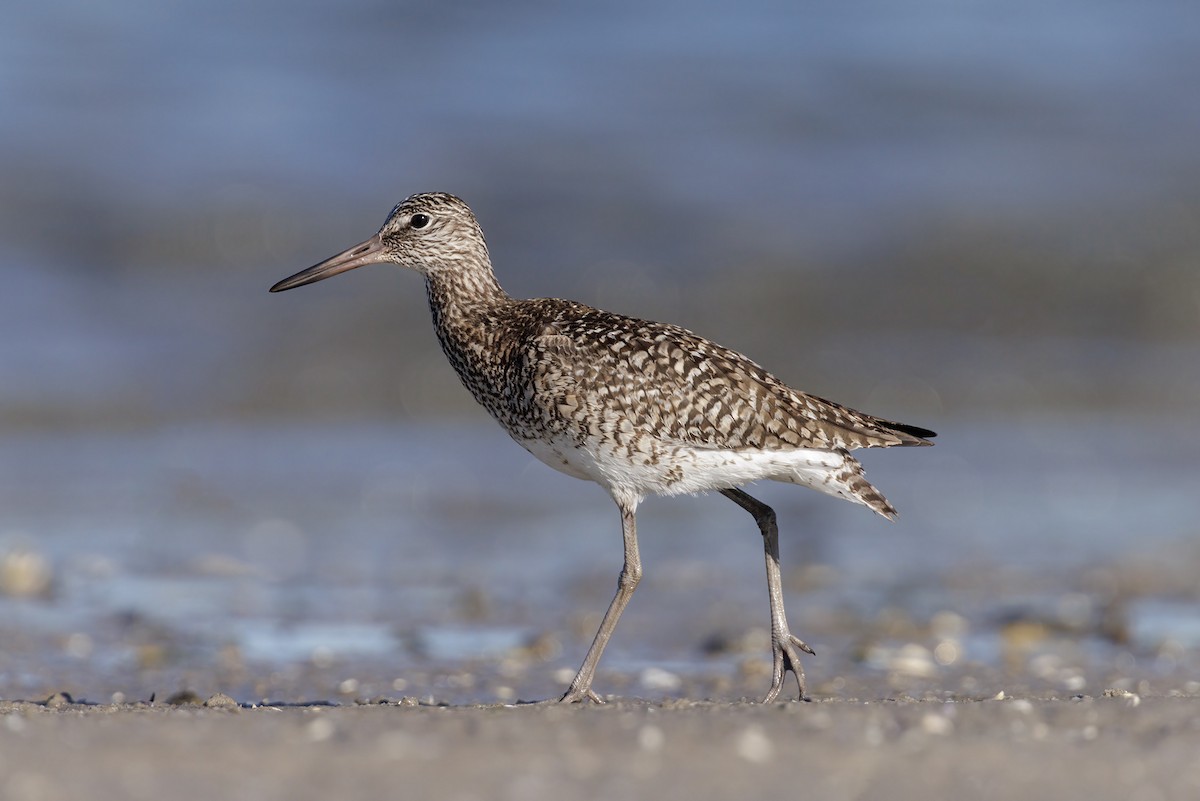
[641,408]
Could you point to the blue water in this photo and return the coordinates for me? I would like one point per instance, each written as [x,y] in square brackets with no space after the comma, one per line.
[807,127]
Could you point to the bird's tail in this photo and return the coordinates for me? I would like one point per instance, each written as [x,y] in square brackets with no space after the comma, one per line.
[864,492]
[839,474]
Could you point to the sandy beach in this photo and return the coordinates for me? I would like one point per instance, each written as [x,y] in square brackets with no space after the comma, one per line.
[370,667]
[1121,747]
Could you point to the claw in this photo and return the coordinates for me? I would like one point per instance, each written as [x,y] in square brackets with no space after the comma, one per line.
[802,645]
[786,658]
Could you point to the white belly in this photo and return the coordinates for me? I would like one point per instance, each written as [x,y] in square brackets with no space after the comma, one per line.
[672,469]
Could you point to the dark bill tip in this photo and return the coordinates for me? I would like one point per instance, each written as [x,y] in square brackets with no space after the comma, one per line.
[368,252]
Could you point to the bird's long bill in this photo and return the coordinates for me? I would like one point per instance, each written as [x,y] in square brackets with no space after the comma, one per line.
[369,252]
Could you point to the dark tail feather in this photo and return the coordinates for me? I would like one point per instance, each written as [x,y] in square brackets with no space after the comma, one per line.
[909,435]
[916,431]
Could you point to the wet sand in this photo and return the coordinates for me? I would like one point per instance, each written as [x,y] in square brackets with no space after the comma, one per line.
[1089,632]
[1119,745]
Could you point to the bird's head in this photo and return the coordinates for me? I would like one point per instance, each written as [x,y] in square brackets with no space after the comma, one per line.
[431,233]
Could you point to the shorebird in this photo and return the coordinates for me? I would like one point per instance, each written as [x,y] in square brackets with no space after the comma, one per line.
[639,407]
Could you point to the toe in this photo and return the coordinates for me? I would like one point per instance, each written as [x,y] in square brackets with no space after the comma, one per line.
[574,696]
[802,645]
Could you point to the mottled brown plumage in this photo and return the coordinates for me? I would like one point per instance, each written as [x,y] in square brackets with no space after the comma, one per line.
[638,407]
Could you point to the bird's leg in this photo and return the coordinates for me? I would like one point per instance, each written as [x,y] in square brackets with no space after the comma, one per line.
[783,643]
[631,574]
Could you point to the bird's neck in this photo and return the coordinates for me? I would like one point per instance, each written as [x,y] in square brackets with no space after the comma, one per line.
[463,289]
[462,302]
[469,314]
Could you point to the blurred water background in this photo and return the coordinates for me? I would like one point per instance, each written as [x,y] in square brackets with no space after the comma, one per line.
[976,217]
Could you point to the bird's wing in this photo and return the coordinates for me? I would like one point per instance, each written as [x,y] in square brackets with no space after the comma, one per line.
[592,368]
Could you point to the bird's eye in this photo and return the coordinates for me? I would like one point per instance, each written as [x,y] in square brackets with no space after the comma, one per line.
[419,220]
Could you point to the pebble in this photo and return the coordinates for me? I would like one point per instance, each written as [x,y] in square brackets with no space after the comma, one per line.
[934,723]
[59,700]
[221,701]
[320,730]
[651,738]
[912,659]
[653,678]
[25,574]
[753,745]
[1133,699]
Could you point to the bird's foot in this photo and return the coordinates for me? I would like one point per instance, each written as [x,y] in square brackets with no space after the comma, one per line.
[576,695]
[785,647]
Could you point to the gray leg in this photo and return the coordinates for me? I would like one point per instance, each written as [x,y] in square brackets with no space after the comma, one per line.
[783,644]
[631,574]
